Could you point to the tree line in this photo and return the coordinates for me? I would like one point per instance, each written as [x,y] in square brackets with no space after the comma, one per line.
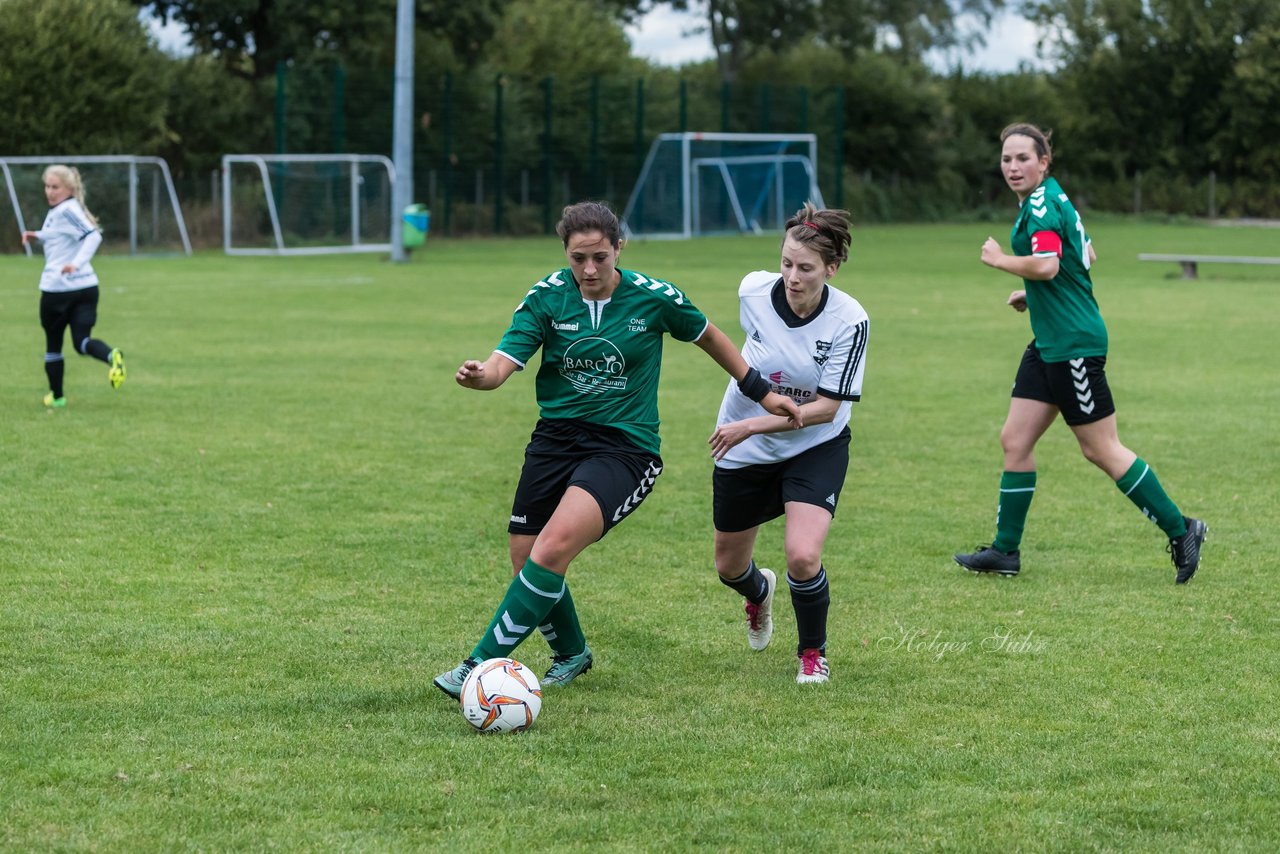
[1166,92]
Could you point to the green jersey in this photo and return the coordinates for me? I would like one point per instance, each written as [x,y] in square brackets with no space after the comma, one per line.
[601,358]
[1064,315]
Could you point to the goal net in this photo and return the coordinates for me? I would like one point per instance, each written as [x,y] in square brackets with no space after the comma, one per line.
[132,197]
[306,204]
[722,183]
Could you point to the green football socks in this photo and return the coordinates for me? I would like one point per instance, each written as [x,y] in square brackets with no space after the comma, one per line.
[1017,488]
[1143,488]
[561,629]
[532,594]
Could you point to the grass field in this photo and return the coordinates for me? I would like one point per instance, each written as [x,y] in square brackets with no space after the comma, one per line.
[224,589]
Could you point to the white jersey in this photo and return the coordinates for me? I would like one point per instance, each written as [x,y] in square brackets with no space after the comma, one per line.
[824,353]
[68,237]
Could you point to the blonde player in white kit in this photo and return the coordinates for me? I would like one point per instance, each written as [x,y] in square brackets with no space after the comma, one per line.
[69,286]
[809,342]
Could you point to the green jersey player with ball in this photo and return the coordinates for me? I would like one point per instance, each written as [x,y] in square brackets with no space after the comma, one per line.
[594,454]
[1062,368]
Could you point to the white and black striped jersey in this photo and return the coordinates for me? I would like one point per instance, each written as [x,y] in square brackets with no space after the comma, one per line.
[68,237]
[822,354]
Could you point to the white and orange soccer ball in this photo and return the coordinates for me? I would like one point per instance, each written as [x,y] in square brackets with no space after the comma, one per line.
[501,695]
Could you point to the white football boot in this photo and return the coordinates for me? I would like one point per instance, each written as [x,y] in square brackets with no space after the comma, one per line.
[760,617]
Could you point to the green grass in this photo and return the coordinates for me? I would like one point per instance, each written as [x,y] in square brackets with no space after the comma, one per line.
[224,589]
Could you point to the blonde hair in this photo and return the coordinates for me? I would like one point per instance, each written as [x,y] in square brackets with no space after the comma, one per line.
[825,231]
[70,178]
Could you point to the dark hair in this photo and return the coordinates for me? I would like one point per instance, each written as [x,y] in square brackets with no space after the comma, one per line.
[589,216]
[824,231]
[1039,137]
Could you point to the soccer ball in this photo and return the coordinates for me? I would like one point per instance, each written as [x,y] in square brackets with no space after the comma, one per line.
[501,695]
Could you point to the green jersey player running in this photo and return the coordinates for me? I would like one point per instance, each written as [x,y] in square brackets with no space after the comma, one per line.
[1062,368]
[594,454]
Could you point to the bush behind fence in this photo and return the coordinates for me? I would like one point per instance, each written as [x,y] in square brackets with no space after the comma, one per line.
[501,154]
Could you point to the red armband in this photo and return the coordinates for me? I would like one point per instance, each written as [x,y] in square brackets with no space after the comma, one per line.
[1045,243]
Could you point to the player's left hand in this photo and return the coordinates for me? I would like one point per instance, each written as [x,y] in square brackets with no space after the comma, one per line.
[68,269]
[780,404]
[728,435]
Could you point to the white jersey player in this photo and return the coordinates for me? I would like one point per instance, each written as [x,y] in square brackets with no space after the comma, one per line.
[68,285]
[804,358]
[808,341]
[69,238]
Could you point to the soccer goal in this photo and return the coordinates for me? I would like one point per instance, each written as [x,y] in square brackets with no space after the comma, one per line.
[132,197]
[722,183]
[307,204]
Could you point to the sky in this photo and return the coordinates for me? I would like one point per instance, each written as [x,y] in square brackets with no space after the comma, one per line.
[170,37]
[659,37]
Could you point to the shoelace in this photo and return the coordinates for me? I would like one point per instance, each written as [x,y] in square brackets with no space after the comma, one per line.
[753,616]
[811,660]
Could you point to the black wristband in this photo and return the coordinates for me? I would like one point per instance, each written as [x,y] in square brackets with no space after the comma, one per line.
[753,385]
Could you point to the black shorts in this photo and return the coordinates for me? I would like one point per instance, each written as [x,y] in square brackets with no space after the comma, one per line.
[58,310]
[1078,388]
[602,460]
[752,495]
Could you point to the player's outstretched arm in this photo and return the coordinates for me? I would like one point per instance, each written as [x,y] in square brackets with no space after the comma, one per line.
[486,375]
[820,410]
[718,346]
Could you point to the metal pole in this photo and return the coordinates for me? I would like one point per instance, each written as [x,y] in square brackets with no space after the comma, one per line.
[226,205]
[402,126]
[133,208]
[353,188]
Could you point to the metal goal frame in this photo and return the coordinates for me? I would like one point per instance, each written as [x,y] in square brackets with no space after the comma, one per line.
[133,162]
[261,161]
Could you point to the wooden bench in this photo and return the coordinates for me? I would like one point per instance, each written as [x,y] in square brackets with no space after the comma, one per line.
[1189,262]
